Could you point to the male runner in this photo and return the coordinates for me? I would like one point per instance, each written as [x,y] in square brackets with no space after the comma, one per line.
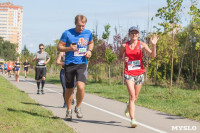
[41,58]
[77,43]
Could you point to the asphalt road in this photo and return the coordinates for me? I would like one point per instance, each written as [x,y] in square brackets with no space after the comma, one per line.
[103,115]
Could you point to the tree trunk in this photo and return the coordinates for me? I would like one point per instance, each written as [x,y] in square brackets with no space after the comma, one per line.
[109,74]
[179,71]
[172,63]
[197,66]
[192,62]
[192,65]
[156,76]
[172,56]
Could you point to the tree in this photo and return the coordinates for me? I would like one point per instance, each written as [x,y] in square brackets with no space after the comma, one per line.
[110,57]
[96,58]
[8,50]
[170,15]
[195,23]
[106,34]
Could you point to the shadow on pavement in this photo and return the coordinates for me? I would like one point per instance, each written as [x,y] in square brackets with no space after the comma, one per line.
[37,104]
[31,113]
[172,117]
[111,123]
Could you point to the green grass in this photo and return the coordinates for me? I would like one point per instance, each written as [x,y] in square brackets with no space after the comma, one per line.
[20,113]
[182,102]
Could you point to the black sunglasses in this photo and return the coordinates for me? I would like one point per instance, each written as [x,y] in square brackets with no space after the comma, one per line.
[41,48]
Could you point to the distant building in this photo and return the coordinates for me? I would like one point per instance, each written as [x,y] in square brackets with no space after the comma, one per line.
[11,23]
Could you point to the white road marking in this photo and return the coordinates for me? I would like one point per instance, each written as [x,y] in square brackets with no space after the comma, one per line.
[108,112]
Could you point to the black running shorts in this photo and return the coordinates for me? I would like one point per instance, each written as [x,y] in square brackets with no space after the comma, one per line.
[39,73]
[75,70]
[26,69]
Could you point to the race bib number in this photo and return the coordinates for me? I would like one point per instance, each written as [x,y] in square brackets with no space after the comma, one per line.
[134,65]
[80,52]
[41,62]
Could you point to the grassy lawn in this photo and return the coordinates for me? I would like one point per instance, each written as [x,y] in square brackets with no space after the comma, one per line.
[182,102]
[17,116]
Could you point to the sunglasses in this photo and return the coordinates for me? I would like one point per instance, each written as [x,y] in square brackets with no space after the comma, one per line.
[41,48]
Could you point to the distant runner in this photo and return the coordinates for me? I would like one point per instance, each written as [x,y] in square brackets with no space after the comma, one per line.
[9,67]
[41,58]
[5,68]
[26,65]
[17,69]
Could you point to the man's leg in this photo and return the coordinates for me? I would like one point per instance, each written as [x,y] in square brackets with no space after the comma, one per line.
[69,97]
[43,82]
[80,93]
[38,86]
[43,73]
[25,73]
[81,75]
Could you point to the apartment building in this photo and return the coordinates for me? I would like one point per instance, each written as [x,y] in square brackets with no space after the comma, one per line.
[11,20]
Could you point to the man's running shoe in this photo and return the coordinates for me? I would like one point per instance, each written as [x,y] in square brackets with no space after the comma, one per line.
[78,112]
[133,123]
[38,91]
[68,116]
[127,110]
[42,91]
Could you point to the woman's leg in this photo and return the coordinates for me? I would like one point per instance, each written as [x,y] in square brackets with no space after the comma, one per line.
[62,80]
[18,75]
[131,90]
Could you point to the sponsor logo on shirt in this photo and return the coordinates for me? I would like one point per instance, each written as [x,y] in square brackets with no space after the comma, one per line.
[82,42]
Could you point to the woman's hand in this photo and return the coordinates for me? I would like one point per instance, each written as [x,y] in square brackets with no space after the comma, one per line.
[154,39]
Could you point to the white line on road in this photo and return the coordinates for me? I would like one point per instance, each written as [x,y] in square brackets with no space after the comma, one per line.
[111,113]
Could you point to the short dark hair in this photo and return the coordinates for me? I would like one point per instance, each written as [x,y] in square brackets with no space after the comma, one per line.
[41,45]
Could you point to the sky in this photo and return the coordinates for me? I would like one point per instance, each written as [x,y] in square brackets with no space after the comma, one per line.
[44,21]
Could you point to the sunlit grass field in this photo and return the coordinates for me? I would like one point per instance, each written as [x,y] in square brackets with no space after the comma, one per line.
[21,114]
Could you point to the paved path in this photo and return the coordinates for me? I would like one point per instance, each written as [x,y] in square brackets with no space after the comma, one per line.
[103,115]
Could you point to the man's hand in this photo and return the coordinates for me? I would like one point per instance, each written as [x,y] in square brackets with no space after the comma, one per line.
[73,47]
[88,54]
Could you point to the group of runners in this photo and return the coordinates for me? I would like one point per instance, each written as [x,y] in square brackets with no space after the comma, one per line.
[9,67]
[75,46]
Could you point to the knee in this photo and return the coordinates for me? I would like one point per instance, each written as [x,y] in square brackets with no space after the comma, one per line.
[132,98]
[80,88]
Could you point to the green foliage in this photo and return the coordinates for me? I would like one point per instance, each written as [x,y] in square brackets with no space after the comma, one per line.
[8,50]
[110,57]
[27,55]
[106,34]
[170,14]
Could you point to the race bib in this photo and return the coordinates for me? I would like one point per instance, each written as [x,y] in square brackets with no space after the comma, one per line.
[80,52]
[134,65]
[41,62]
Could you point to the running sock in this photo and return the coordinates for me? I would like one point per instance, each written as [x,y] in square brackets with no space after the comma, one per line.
[38,85]
[43,82]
